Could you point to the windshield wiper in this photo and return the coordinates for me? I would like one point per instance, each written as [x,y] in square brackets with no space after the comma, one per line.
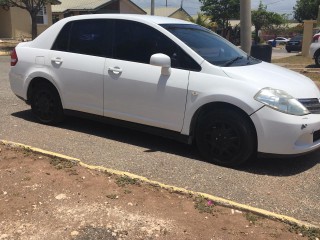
[228,63]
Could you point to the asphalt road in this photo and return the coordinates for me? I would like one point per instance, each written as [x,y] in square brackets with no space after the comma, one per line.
[286,186]
[281,52]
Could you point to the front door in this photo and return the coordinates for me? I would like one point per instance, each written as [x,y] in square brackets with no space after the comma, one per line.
[136,91]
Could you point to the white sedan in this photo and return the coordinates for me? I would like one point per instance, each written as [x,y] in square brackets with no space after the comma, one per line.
[169,77]
[279,40]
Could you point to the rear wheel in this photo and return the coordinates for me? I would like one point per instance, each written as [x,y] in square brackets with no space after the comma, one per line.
[46,104]
[225,137]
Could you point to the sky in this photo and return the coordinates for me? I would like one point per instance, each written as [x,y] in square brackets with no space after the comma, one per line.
[193,6]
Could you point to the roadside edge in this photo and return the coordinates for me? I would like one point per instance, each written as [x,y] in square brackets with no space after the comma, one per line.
[217,200]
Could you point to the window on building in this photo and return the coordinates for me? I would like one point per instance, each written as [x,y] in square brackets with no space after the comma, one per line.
[42,16]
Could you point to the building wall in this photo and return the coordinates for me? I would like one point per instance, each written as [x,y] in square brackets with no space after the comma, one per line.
[21,23]
[5,24]
[42,27]
[16,23]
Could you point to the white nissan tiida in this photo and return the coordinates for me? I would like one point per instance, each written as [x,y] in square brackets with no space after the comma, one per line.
[168,77]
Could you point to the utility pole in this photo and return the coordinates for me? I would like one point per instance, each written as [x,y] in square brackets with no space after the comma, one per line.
[152,7]
[245,25]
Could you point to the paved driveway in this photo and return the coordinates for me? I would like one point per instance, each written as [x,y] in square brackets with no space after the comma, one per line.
[285,186]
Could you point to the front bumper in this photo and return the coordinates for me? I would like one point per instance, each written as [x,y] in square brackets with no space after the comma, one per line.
[313,48]
[284,134]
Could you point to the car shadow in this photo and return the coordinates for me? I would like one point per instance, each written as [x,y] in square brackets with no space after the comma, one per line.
[312,66]
[151,142]
[260,166]
[282,166]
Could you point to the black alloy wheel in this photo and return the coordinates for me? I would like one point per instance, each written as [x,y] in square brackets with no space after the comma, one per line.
[225,137]
[46,104]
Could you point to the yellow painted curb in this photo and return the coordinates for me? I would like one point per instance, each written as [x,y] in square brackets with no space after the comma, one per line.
[217,200]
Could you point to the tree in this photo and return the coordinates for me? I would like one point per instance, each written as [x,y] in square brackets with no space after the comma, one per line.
[32,6]
[221,11]
[202,20]
[306,10]
[261,18]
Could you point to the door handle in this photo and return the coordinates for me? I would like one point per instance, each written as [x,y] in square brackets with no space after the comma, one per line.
[115,70]
[57,60]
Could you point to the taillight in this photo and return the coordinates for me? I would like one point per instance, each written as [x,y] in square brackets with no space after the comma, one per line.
[14,57]
[315,38]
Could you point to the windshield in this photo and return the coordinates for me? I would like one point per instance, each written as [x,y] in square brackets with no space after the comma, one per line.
[210,45]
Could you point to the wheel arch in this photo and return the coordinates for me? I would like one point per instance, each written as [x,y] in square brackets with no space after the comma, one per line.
[36,82]
[215,105]
[316,53]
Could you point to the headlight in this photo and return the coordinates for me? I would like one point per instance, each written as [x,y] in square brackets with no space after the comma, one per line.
[281,101]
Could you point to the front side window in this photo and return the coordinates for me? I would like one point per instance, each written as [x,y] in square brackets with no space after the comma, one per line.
[209,45]
[136,42]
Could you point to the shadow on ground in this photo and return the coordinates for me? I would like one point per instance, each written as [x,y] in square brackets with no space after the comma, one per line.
[312,66]
[261,166]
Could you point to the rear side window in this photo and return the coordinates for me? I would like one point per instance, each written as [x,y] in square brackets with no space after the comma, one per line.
[136,42]
[87,37]
[62,41]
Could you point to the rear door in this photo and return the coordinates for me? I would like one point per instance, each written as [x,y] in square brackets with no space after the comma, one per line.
[78,59]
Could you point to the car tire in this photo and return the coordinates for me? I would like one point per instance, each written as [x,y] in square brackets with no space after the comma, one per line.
[289,51]
[317,58]
[225,137]
[46,104]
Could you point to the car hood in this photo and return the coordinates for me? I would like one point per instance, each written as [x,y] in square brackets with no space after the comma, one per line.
[273,76]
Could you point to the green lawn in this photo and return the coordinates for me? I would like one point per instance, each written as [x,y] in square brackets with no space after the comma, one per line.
[299,61]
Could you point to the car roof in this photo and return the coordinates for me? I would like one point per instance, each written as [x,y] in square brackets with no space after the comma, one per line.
[137,17]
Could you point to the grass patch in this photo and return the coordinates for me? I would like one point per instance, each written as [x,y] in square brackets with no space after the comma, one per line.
[127,191]
[297,59]
[313,76]
[252,218]
[112,196]
[310,233]
[27,151]
[61,164]
[203,205]
[125,180]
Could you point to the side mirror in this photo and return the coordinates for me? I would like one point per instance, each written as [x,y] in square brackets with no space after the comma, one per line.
[162,61]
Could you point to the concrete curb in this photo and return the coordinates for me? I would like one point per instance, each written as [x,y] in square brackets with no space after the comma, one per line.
[217,200]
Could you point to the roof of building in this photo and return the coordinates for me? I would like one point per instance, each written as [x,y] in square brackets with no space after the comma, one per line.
[82,5]
[166,11]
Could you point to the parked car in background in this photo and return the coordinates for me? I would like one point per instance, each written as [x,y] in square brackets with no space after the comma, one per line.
[294,44]
[279,40]
[314,49]
[169,77]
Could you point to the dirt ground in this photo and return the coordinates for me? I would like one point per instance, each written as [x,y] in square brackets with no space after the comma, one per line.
[48,198]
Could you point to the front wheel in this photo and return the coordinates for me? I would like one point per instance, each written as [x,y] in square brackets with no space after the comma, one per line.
[46,104]
[225,137]
[317,58]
